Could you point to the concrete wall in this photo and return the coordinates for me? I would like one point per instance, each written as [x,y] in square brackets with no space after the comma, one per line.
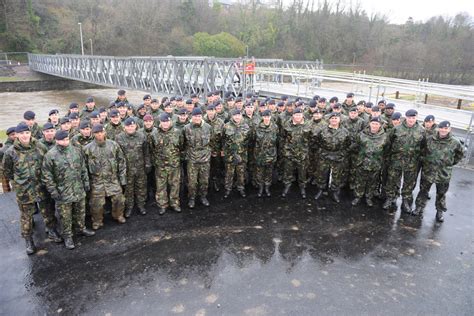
[41,85]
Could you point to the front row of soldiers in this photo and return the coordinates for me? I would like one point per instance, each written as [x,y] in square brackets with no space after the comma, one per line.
[91,167]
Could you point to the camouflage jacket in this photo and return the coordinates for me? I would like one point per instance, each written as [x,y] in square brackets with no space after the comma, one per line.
[47,144]
[36,131]
[266,137]
[86,113]
[65,174]
[217,125]
[296,139]
[81,141]
[8,143]
[197,139]
[406,143]
[166,147]
[371,150]
[235,141]
[354,126]
[431,131]
[333,143]
[107,167]
[224,116]
[439,156]
[112,130]
[136,151]
[22,166]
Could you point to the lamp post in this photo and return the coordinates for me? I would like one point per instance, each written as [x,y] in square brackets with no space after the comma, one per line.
[82,40]
[92,49]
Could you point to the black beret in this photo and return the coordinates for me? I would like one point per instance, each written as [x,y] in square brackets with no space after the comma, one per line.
[182,111]
[84,124]
[121,92]
[272,101]
[444,124]
[249,95]
[353,109]
[429,118]
[312,103]
[211,107]
[297,110]
[97,128]
[146,97]
[189,101]
[102,110]
[369,105]
[336,106]
[318,110]
[376,119]
[196,111]
[281,103]
[167,104]
[350,95]
[73,116]
[94,114]
[382,101]
[140,106]
[218,102]
[11,130]
[390,106]
[284,97]
[130,106]
[217,92]
[121,104]
[333,114]
[396,116]
[179,98]
[209,94]
[154,101]
[60,135]
[411,112]
[316,97]
[54,111]
[333,99]
[22,127]
[173,99]
[239,99]
[129,121]
[47,126]
[114,113]
[361,102]
[164,117]
[248,104]
[267,113]
[231,98]
[375,109]
[73,105]
[89,99]
[193,95]
[322,100]
[29,115]
[235,112]
[63,120]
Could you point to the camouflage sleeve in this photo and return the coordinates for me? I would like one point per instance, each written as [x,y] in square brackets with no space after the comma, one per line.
[7,165]
[84,171]
[146,153]
[122,165]
[458,153]
[48,178]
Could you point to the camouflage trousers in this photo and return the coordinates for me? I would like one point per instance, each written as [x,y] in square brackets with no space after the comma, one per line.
[135,190]
[47,211]
[217,167]
[250,170]
[366,182]
[441,190]
[198,178]
[289,168]
[313,165]
[395,171]
[264,173]
[97,203]
[337,169]
[5,183]
[239,170]
[167,177]
[352,171]
[72,216]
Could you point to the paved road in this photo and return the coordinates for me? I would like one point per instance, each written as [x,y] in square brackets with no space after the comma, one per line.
[251,257]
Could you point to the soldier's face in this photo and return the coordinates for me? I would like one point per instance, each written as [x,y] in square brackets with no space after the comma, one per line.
[189,107]
[103,116]
[249,110]
[122,110]
[375,113]
[122,97]
[444,131]
[142,111]
[24,137]
[281,109]
[266,120]
[130,129]
[95,121]
[334,121]
[12,136]
[396,122]
[30,123]
[148,124]
[115,119]
[317,116]
[237,118]
[389,111]
[360,108]
[168,109]
[195,100]
[429,124]
[183,117]
[374,127]
[353,114]
[54,117]
[49,134]
[155,106]
[74,110]
[90,105]
[297,117]
[147,101]
[66,126]
[63,142]
[165,125]
[197,119]
[100,136]
[411,120]
[74,122]
[211,113]
[219,108]
[86,132]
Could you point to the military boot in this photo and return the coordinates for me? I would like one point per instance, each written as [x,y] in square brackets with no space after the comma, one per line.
[86,232]
[142,210]
[242,193]
[267,190]
[191,203]
[204,201]
[260,190]
[54,236]
[388,203]
[161,210]
[303,192]
[226,194]
[121,220]
[335,195]
[369,202]
[418,211]
[285,190]
[30,246]
[406,206]
[355,201]
[69,243]
[439,216]
[128,212]
[318,194]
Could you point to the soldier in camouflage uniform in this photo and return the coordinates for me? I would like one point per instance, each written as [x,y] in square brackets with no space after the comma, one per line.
[296,135]
[371,146]
[348,103]
[166,146]
[88,109]
[48,135]
[316,124]
[148,129]
[155,110]
[266,138]
[8,143]
[197,137]
[134,146]
[108,175]
[217,126]
[75,121]
[84,137]
[441,153]
[235,138]
[334,142]
[354,124]
[22,167]
[30,120]
[65,177]
[407,141]
[251,120]
[114,126]
[429,125]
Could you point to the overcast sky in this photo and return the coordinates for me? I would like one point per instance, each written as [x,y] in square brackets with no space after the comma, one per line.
[398,11]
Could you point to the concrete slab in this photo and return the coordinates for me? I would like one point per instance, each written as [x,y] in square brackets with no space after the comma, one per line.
[254,257]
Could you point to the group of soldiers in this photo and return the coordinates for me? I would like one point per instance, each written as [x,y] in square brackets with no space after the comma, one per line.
[125,153]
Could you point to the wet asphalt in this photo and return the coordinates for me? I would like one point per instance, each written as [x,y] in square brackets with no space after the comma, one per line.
[267,256]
